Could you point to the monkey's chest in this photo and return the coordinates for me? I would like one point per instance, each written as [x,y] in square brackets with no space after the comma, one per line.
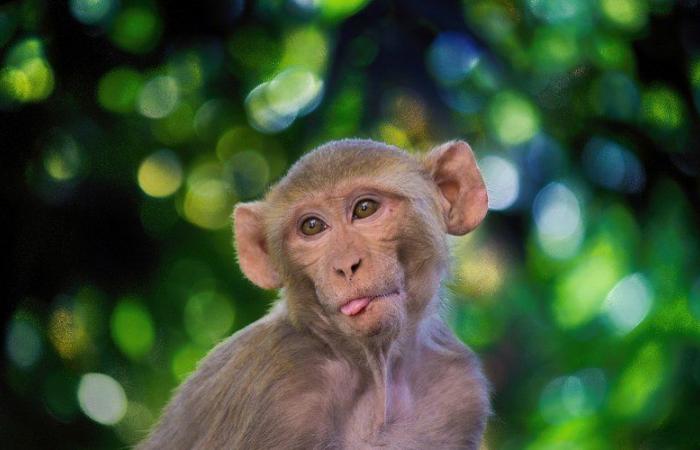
[406,421]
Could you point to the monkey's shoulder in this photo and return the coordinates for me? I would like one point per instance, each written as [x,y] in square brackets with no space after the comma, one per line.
[259,357]
[239,392]
[454,381]
[456,358]
[458,375]
[448,355]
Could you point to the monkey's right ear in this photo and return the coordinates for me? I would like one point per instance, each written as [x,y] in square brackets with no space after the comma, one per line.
[251,245]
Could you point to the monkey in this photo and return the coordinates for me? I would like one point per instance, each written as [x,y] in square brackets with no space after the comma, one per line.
[355,353]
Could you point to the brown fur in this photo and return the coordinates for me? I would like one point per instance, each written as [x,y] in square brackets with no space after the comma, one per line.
[306,376]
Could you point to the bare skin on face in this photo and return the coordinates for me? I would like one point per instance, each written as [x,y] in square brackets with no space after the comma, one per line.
[354,354]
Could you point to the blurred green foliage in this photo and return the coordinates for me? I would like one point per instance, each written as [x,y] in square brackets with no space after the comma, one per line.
[136,125]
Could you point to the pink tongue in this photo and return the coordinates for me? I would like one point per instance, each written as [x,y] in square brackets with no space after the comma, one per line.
[354,306]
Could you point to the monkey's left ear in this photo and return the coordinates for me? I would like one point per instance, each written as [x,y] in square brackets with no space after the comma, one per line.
[464,200]
[251,245]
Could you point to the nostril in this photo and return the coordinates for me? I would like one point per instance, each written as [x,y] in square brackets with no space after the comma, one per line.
[355,266]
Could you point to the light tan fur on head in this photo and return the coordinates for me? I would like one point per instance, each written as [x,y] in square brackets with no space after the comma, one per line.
[420,200]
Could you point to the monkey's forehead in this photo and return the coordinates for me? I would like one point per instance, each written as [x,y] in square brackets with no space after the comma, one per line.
[337,162]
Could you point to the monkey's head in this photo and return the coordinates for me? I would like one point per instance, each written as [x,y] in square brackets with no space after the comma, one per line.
[355,233]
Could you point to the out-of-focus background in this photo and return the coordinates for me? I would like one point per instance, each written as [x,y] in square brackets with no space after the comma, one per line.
[130,128]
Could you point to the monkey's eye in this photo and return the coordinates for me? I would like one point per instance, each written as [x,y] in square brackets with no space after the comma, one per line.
[312,225]
[364,208]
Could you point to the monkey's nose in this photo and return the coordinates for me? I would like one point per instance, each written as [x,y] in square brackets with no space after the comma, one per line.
[348,269]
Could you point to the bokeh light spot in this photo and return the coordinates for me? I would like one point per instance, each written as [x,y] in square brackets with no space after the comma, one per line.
[40,77]
[512,118]
[249,173]
[188,69]
[639,381]
[544,159]
[574,305]
[209,198]
[23,341]
[554,50]
[208,204]
[577,395]
[175,128]
[695,73]
[132,328]
[213,117]
[628,303]
[159,97]
[67,332]
[208,317]
[91,12]
[409,111]
[695,82]
[25,49]
[616,95]
[261,115]
[62,158]
[662,108]
[306,6]
[612,52]
[14,85]
[160,174]
[502,181]
[101,398]
[628,15]
[558,220]
[185,360]
[476,325]
[676,317]
[27,77]
[452,56]
[236,139]
[583,433]
[274,105]
[481,272]
[136,30]
[610,165]
[134,426]
[574,395]
[393,135]
[337,10]
[576,12]
[118,89]
[293,92]
[694,299]
[305,48]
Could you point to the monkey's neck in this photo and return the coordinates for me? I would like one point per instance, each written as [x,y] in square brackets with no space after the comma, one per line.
[389,369]
[385,368]
[386,364]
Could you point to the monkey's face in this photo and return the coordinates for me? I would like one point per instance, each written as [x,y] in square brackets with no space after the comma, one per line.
[355,232]
[346,243]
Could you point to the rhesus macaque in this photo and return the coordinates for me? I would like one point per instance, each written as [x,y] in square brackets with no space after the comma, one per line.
[354,354]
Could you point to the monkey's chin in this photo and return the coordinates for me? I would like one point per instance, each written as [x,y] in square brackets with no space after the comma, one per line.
[381,316]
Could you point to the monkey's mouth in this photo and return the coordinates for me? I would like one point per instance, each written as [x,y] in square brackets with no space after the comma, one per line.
[358,305]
